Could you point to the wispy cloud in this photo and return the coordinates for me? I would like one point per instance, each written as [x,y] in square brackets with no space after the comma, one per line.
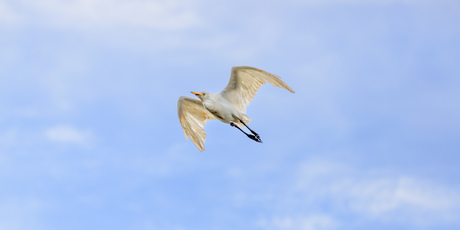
[105,14]
[312,222]
[316,2]
[69,135]
[404,199]
[73,83]
[7,14]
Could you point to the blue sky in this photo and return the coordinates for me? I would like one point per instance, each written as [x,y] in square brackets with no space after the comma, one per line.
[89,135]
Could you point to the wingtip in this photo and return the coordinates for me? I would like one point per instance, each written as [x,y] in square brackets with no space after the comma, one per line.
[289,89]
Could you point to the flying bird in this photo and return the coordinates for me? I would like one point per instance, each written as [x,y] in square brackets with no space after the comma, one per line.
[228,106]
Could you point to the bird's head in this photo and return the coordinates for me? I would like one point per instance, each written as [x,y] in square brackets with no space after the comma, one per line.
[201,95]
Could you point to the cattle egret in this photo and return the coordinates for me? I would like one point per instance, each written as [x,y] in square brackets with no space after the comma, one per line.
[228,106]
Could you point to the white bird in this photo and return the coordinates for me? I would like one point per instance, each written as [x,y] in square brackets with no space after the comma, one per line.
[228,106]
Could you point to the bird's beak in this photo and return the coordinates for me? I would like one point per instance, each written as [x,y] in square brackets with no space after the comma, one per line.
[196,94]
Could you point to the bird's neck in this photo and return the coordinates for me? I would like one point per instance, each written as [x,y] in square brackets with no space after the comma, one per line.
[207,98]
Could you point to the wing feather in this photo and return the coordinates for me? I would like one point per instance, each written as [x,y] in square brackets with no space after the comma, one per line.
[192,117]
[244,83]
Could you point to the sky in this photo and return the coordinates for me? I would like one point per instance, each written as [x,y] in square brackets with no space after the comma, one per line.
[90,139]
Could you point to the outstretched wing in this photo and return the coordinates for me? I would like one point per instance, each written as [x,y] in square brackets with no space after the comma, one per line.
[244,83]
[192,117]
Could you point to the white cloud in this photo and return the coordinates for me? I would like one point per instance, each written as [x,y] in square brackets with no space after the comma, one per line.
[323,2]
[403,198]
[69,135]
[106,14]
[317,222]
[139,25]
[311,222]
[385,198]
[7,15]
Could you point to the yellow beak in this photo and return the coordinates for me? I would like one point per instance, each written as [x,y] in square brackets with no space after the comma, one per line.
[196,94]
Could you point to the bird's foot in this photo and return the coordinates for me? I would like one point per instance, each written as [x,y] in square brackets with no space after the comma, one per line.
[255,138]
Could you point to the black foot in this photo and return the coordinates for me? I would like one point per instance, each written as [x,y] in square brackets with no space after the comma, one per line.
[255,138]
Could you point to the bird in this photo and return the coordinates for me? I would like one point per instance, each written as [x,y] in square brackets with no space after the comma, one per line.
[228,106]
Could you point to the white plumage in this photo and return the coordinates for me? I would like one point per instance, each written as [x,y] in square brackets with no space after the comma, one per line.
[228,106]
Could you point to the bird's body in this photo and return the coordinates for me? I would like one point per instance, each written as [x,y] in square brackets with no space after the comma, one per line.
[222,109]
[228,106]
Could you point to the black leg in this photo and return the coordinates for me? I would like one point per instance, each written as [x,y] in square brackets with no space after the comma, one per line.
[236,126]
[252,131]
[253,137]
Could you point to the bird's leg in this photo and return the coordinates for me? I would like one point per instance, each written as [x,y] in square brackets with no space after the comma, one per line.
[255,138]
[252,131]
[236,126]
